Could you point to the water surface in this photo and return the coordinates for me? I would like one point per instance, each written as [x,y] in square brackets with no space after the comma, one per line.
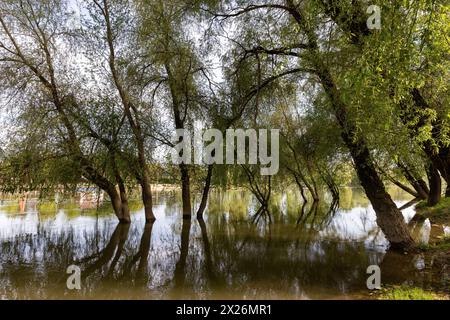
[302,252]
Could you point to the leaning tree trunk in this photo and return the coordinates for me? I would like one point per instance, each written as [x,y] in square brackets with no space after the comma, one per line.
[389,218]
[418,184]
[356,27]
[129,109]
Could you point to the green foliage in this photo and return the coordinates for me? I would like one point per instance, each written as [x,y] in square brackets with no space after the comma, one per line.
[409,293]
[80,111]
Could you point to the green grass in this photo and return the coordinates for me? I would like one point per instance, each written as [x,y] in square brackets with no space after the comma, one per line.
[441,245]
[408,293]
[440,213]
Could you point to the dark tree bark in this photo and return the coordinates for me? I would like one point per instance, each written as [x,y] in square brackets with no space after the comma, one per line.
[389,218]
[186,191]
[435,185]
[419,185]
[207,186]
[146,193]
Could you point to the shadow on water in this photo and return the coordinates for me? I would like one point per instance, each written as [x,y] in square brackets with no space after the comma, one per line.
[310,251]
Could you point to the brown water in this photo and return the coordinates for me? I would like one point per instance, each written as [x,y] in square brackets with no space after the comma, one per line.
[304,253]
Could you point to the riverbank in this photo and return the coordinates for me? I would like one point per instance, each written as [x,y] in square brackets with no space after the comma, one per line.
[408,293]
[439,214]
[435,256]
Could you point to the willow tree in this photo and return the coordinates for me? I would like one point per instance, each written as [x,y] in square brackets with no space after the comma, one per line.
[38,75]
[111,32]
[310,152]
[184,95]
[407,61]
[291,34]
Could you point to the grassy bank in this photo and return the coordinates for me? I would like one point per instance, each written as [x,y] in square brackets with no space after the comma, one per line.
[408,293]
[439,214]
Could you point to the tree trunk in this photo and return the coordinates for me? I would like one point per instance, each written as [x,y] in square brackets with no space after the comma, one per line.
[314,191]
[205,194]
[299,184]
[129,108]
[389,218]
[147,199]
[116,202]
[435,186]
[418,184]
[186,191]
[122,189]
[124,202]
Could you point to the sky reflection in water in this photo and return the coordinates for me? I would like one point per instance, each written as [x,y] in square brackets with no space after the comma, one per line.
[309,253]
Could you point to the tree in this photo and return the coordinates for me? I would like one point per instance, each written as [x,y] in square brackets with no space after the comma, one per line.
[113,19]
[306,43]
[31,31]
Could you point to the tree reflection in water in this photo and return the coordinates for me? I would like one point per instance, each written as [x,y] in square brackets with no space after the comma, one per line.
[315,251]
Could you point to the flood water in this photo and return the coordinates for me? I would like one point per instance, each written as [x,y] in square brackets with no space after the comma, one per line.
[302,252]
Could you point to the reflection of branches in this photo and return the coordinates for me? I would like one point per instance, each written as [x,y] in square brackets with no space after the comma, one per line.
[301,222]
[142,255]
[113,250]
[261,194]
[334,206]
[302,212]
[207,248]
[180,275]
[262,212]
